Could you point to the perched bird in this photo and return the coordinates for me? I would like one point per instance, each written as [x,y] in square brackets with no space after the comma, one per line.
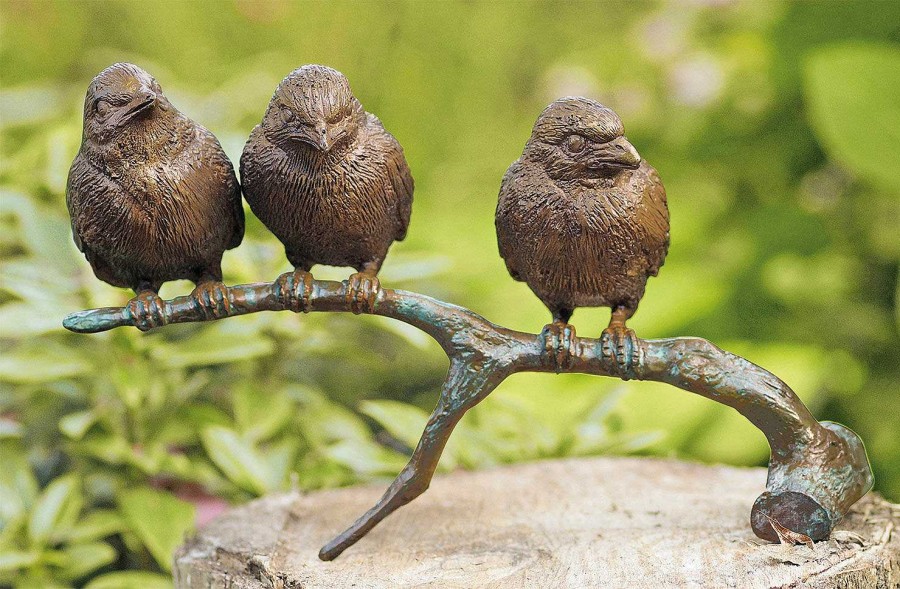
[327,179]
[583,221]
[151,194]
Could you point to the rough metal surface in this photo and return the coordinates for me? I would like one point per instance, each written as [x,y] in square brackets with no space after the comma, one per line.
[581,218]
[151,193]
[605,522]
[326,177]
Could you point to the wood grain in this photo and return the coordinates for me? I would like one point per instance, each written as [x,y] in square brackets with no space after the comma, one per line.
[603,522]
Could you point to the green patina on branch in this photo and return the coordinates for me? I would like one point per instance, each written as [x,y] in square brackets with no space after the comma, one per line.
[816,472]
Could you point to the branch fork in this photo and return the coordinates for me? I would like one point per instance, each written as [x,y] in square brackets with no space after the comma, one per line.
[816,471]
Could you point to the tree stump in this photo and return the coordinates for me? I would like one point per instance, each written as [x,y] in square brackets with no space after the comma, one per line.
[601,522]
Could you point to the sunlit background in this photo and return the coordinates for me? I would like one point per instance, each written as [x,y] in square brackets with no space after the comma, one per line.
[775,127]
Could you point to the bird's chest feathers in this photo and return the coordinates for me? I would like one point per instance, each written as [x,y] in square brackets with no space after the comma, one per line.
[161,201]
[332,187]
[152,185]
[586,210]
[152,178]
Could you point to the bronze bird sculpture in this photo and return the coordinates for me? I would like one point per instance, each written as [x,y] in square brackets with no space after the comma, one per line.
[329,181]
[151,194]
[582,219]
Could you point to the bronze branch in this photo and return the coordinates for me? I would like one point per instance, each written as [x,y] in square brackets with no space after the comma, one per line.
[816,472]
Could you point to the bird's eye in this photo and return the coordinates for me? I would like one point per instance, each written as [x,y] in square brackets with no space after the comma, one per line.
[102,108]
[575,143]
[287,115]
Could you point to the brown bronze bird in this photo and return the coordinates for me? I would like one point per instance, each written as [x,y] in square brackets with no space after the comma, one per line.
[151,194]
[329,181]
[583,221]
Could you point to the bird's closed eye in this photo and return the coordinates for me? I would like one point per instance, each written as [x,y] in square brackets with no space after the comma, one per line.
[286,114]
[575,143]
[337,117]
[102,107]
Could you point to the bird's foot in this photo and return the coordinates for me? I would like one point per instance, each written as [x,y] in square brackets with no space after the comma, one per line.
[147,310]
[619,344]
[362,290]
[211,299]
[559,344]
[295,289]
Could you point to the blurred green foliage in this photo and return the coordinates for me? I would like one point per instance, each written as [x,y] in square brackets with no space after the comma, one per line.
[775,126]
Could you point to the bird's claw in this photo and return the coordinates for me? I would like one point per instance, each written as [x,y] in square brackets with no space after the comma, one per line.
[362,291]
[211,299]
[559,344]
[619,344]
[294,289]
[147,310]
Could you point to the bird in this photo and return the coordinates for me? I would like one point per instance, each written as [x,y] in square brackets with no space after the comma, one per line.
[152,196]
[583,220]
[329,181]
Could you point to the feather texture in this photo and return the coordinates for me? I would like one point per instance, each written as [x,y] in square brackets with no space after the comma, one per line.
[578,232]
[155,199]
[339,204]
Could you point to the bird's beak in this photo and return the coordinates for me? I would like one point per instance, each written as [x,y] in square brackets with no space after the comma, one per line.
[144,101]
[619,153]
[324,140]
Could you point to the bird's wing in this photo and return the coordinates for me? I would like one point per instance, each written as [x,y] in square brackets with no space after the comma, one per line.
[655,220]
[403,186]
[520,200]
[503,218]
[75,186]
[87,189]
[399,176]
[213,155]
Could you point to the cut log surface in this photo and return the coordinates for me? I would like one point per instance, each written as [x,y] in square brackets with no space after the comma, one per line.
[599,522]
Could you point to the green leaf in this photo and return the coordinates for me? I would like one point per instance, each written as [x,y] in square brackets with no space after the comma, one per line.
[18,487]
[213,345]
[130,580]
[279,458]
[260,414]
[97,524]
[591,435]
[56,509]
[37,366]
[201,415]
[107,448]
[11,560]
[851,89]
[323,422]
[86,558]
[75,425]
[19,319]
[366,457]
[159,519]
[402,420]
[626,444]
[237,458]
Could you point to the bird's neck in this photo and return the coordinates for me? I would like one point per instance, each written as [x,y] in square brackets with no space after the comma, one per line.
[145,141]
[598,182]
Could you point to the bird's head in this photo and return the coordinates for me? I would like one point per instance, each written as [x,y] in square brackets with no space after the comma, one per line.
[313,108]
[577,138]
[122,98]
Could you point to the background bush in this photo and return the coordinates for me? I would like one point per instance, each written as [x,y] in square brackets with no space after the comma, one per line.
[774,126]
